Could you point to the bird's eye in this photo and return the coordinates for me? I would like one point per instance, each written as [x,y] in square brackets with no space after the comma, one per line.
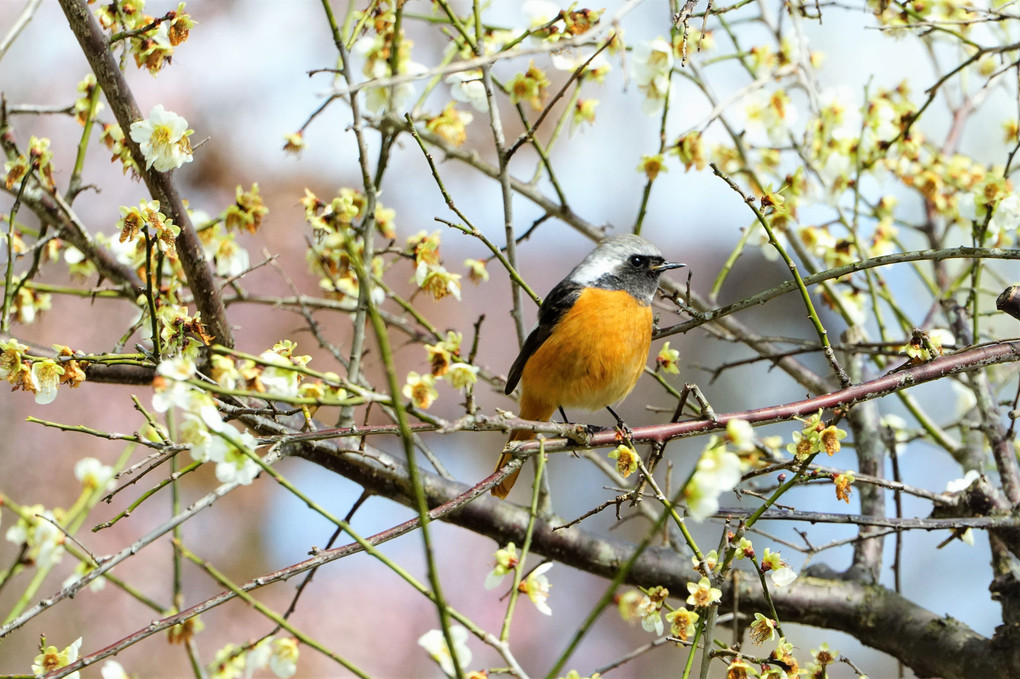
[637,260]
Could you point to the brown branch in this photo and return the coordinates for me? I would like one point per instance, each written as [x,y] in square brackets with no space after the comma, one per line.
[1003,522]
[968,360]
[160,184]
[930,644]
[119,374]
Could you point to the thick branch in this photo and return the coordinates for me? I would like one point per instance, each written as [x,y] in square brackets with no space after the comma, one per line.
[929,644]
[160,184]
[968,360]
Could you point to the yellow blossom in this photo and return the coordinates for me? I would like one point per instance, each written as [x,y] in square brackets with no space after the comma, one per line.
[702,594]
[762,629]
[668,359]
[462,375]
[451,124]
[651,166]
[476,270]
[420,389]
[690,150]
[843,482]
[626,460]
[681,623]
[247,211]
[295,143]
[738,669]
[529,87]
[584,113]
[830,438]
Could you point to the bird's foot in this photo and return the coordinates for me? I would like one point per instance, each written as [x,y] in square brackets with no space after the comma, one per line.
[623,431]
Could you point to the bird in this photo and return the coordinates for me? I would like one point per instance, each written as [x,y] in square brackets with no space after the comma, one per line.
[591,341]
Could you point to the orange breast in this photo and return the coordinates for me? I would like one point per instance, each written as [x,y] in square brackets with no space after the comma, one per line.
[593,358]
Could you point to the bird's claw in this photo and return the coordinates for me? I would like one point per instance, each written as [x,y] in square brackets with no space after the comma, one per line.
[624,433]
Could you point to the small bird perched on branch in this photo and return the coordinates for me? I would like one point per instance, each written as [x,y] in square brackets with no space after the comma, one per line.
[591,342]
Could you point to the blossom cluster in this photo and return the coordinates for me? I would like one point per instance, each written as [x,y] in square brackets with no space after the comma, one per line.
[429,273]
[219,236]
[647,605]
[718,471]
[815,437]
[278,373]
[147,219]
[278,654]
[337,236]
[202,427]
[149,40]
[180,332]
[386,52]
[535,584]
[446,363]
[40,376]
[40,532]
[39,159]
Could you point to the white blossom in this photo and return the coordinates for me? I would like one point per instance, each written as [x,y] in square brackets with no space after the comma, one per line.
[717,472]
[653,66]
[466,86]
[163,139]
[783,576]
[92,473]
[1006,216]
[959,485]
[435,645]
[112,669]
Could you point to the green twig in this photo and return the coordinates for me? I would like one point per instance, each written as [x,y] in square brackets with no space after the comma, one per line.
[5,319]
[504,633]
[266,611]
[147,494]
[407,438]
[823,335]
[74,184]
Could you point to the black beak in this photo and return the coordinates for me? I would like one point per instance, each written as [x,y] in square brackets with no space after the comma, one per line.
[666,266]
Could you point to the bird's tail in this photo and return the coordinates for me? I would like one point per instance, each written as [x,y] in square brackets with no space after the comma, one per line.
[506,484]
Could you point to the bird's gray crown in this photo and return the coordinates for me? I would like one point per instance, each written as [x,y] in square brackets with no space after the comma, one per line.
[623,262]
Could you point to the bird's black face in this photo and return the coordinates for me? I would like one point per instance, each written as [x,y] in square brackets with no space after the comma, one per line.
[645,264]
[638,261]
[639,273]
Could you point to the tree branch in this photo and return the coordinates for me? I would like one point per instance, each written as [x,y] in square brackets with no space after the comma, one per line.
[929,644]
[160,184]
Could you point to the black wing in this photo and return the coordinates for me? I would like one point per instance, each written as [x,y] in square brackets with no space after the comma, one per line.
[557,302]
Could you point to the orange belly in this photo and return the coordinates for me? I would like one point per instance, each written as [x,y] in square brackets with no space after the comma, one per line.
[592,360]
[594,357]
